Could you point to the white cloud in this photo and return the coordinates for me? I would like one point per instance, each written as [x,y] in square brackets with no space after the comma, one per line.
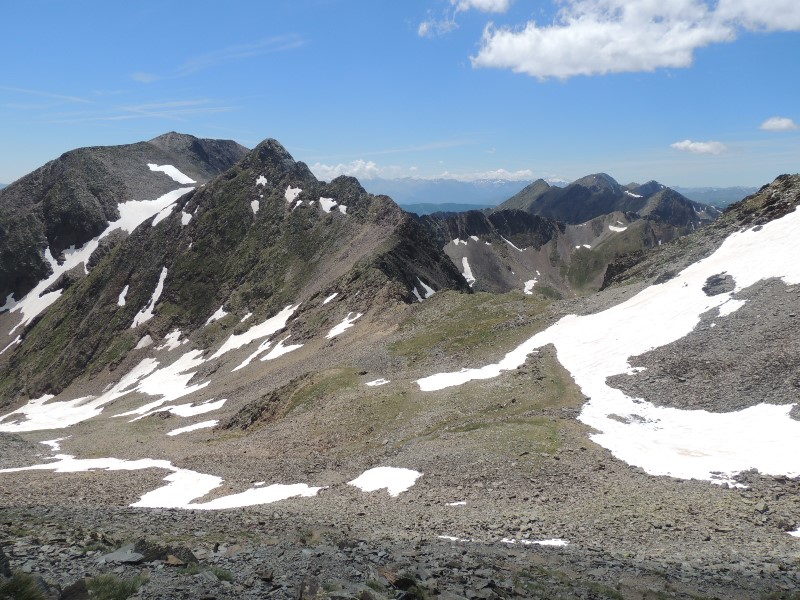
[779,124]
[434,27]
[361,169]
[596,37]
[700,147]
[498,6]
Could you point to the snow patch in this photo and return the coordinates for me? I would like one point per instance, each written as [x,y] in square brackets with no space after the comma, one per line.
[280,349]
[474,238]
[221,312]
[551,542]
[291,193]
[185,218]
[122,294]
[377,382]
[342,209]
[265,329]
[171,341]
[458,241]
[459,503]
[189,409]
[429,291]
[617,229]
[327,204]
[254,206]
[247,316]
[528,289]
[395,480]
[195,427]
[346,324]
[15,341]
[329,298]
[511,244]
[144,342]
[172,172]
[261,180]
[467,272]
[146,313]
[632,195]
[55,445]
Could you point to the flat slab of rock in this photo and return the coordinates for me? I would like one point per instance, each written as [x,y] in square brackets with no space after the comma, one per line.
[126,555]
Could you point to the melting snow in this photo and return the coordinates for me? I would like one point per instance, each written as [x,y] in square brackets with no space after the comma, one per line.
[528,289]
[221,312]
[377,382]
[195,427]
[458,241]
[459,503]
[185,218]
[122,294]
[511,244]
[617,229]
[183,486]
[16,340]
[172,172]
[144,342]
[467,272]
[329,298]
[474,238]
[342,209]
[327,204]
[292,193]
[429,291]
[632,195]
[280,350]
[261,180]
[247,316]
[189,409]
[171,341]
[551,542]
[669,441]
[146,313]
[265,329]
[262,347]
[343,326]
[55,445]
[254,206]
[298,203]
[394,480]
[416,293]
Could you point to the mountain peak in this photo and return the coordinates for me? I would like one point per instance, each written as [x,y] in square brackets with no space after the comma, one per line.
[598,181]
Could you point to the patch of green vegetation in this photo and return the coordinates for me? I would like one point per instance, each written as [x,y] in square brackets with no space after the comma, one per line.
[454,323]
[114,352]
[325,384]
[111,587]
[222,574]
[21,586]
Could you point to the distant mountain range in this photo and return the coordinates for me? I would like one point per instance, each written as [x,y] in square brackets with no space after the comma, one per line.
[2,185]
[426,196]
[719,197]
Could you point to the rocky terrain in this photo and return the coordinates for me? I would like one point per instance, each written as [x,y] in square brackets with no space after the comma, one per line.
[221,447]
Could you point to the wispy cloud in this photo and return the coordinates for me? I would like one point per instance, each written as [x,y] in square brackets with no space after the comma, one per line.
[779,124]
[223,56]
[597,37]
[45,94]
[435,26]
[700,147]
[177,110]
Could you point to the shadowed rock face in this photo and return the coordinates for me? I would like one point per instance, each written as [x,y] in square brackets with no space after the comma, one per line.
[71,199]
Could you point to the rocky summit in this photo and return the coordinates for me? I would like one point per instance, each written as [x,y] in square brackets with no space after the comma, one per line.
[221,377]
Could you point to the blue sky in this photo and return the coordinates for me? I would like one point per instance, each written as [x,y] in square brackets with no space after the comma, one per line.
[681,91]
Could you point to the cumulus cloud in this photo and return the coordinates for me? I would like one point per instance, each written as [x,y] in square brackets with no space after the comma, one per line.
[779,124]
[596,37]
[700,147]
[361,169]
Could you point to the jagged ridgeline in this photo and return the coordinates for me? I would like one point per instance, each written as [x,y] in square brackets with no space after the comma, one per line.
[263,235]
